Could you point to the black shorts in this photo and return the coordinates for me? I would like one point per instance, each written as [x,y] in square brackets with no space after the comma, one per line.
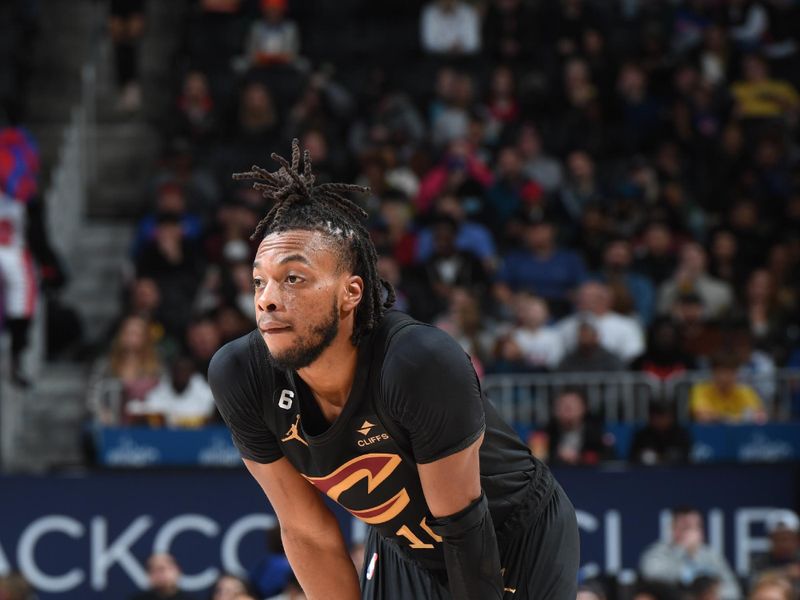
[540,562]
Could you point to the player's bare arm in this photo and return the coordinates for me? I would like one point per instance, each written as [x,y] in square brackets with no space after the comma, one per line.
[452,483]
[311,536]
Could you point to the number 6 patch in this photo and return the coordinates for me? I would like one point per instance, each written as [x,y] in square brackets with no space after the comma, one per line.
[285,401]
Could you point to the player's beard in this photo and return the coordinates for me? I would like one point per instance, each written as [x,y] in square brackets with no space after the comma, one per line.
[308,348]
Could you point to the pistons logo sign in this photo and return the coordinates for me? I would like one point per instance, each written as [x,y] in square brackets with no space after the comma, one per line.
[373,470]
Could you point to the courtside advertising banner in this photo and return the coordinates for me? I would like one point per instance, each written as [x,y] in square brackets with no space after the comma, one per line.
[87,536]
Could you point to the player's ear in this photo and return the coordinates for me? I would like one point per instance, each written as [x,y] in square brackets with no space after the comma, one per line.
[353,292]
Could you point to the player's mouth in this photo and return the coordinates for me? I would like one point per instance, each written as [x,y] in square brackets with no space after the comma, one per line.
[273,327]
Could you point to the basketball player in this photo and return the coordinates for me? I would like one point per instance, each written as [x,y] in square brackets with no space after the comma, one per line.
[335,394]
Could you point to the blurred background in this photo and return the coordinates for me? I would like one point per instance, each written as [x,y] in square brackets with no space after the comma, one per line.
[600,199]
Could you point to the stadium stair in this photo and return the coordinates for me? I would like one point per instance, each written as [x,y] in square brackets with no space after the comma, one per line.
[53,411]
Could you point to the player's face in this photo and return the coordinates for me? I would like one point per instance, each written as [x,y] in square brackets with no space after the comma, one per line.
[301,295]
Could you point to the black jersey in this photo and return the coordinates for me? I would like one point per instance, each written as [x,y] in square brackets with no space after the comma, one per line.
[415,399]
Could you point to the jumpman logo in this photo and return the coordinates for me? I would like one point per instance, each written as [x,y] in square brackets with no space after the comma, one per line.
[294,433]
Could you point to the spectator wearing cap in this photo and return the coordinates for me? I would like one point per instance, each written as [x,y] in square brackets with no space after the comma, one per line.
[662,441]
[589,356]
[783,557]
[685,557]
[692,276]
[471,236]
[722,398]
[541,267]
[170,200]
[618,334]
[450,27]
[274,39]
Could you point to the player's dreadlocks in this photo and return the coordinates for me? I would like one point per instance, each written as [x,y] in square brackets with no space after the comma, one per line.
[299,204]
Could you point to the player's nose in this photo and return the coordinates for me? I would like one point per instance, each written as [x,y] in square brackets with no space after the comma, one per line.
[268,299]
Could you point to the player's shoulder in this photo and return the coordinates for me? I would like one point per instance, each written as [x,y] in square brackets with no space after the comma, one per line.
[234,356]
[413,347]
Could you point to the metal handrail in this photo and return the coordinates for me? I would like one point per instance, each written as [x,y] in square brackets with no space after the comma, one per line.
[622,396]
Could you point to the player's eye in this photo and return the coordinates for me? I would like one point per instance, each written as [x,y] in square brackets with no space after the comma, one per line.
[257,283]
[293,279]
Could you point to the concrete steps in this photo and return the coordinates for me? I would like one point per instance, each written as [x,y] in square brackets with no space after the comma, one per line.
[126,154]
[98,267]
[52,413]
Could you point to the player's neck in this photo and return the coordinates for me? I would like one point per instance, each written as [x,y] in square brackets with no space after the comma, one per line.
[331,376]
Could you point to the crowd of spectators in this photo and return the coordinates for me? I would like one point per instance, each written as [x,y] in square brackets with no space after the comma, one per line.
[571,186]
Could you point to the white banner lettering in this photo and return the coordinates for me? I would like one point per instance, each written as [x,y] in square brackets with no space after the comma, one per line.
[5,566]
[27,548]
[104,556]
[746,544]
[177,525]
[234,535]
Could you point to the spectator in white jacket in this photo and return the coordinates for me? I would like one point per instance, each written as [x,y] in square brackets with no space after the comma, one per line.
[182,398]
[532,341]
[620,335]
[686,557]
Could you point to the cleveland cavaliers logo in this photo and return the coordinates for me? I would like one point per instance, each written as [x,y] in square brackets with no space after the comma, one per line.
[375,468]
[294,433]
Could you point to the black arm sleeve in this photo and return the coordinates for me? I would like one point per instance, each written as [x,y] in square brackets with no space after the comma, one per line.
[470,552]
[430,389]
[235,384]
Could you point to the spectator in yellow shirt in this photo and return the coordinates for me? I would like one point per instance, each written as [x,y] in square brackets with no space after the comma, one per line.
[760,97]
[723,399]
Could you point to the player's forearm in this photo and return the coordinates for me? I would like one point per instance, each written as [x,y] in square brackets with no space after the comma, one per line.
[471,554]
[322,565]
